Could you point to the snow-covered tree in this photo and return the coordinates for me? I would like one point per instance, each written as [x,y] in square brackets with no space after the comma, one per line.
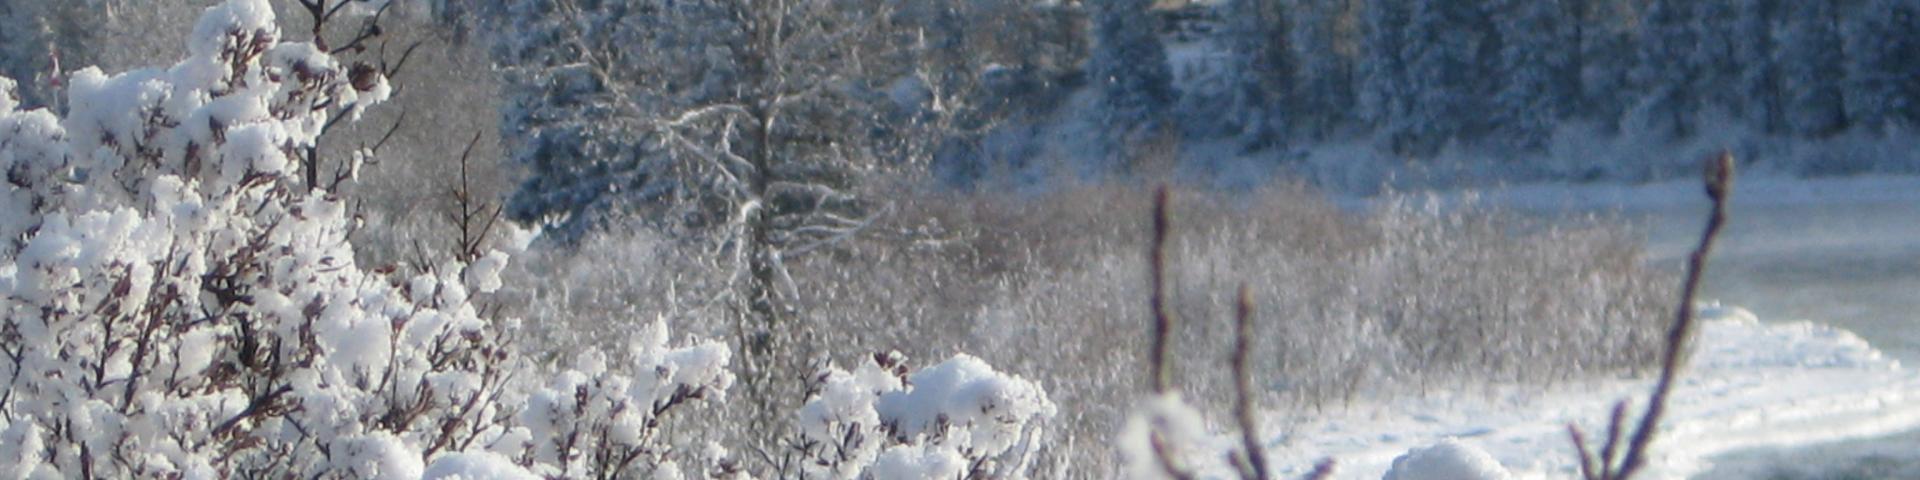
[1604,55]
[1882,49]
[176,303]
[1450,50]
[1540,82]
[740,126]
[1385,82]
[1129,69]
[1263,70]
[1665,69]
[33,37]
[581,80]
[1812,69]
[1758,81]
[1715,59]
[1327,53]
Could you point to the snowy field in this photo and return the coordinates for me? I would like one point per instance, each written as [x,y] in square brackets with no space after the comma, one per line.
[1749,385]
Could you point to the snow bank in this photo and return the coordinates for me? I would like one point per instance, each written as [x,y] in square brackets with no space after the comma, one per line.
[1749,384]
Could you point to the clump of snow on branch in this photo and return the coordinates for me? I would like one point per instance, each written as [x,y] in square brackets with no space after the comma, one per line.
[599,393]
[958,417]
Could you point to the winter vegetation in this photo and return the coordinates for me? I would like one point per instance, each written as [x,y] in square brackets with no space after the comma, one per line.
[860,239]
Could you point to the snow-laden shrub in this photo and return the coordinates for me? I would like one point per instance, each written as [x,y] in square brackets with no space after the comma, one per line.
[1351,303]
[957,419]
[177,301]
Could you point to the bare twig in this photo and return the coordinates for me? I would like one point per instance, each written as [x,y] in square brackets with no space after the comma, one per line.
[1256,458]
[1611,450]
[1580,450]
[1719,184]
[1162,319]
[1161,453]
[1162,332]
[1321,471]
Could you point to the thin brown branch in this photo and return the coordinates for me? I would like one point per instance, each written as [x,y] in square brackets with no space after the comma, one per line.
[1162,331]
[1321,471]
[1256,465]
[1164,455]
[1719,185]
[1610,453]
[1162,319]
[1580,450]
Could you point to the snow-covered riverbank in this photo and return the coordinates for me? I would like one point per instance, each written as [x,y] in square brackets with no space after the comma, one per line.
[1749,385]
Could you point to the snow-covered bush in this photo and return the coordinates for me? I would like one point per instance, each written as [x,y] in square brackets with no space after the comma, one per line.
[598,420]
[176,301]
[1352,302]
[957,419]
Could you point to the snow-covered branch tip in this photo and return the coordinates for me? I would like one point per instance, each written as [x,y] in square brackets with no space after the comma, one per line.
[1612,462]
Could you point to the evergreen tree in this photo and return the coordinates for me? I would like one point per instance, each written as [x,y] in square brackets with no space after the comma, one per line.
[1129,69]
[1450,54]
[1536,64]
[1715,59]
[1604,59]
[1385,84]
[1883,54]
[1264,69]
[1757,84]
[1811,69]
[1666,68]
[1327,76]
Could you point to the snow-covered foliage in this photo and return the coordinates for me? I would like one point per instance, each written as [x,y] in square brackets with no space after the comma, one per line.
[959,418]
[600,417]
[177,303]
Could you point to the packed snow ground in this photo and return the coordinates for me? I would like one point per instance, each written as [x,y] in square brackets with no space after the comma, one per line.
[1748,385]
